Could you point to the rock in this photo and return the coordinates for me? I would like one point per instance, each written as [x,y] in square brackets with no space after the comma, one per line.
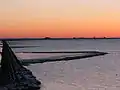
[13,75]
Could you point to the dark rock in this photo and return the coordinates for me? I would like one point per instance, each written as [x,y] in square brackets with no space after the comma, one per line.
[13,76]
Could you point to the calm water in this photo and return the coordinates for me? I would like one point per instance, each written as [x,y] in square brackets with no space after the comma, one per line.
[96,73]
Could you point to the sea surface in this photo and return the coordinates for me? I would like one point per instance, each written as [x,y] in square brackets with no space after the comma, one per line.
[95,73]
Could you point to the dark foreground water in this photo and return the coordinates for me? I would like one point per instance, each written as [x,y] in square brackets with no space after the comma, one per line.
[96,73]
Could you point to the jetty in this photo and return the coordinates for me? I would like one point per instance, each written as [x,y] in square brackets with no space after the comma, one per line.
[13,75]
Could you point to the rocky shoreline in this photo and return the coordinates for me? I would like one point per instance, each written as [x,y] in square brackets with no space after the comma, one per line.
[13,76]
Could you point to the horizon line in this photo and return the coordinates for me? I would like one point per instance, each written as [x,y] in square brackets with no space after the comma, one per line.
[60,38]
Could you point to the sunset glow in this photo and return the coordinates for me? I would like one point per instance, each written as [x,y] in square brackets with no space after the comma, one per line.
[59,18]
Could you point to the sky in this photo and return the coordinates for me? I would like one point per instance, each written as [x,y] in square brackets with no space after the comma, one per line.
[59,18]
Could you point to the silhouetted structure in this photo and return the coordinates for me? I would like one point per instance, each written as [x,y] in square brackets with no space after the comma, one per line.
[13,76]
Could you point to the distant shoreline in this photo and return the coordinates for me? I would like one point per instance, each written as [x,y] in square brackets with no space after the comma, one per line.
[48,38]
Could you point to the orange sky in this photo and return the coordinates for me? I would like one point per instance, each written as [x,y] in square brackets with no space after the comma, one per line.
[59,18]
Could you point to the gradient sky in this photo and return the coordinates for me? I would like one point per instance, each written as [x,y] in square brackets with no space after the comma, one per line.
[59,18]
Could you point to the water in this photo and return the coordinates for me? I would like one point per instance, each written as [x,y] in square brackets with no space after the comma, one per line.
[51,45]
[96,73]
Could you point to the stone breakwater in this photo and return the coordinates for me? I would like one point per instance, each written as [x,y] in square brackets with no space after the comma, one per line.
[74,56]
[13,76]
